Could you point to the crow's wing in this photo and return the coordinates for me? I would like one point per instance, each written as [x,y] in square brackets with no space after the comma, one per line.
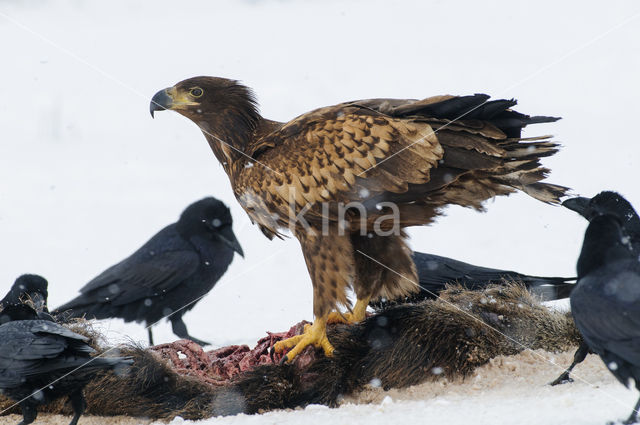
[49,327]
[435,272]
[35,339]
[35,347]
[137,278]
[29,346]
[606,309]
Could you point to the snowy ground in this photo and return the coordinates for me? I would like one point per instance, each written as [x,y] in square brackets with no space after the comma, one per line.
[86,175]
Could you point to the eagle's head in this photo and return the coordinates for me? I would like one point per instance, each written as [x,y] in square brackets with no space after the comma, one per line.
[225,110]
[198,96]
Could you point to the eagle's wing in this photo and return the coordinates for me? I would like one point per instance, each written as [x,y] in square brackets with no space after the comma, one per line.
[402,151]
[338,154]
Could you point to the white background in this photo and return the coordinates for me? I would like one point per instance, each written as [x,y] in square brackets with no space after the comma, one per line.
[86,176]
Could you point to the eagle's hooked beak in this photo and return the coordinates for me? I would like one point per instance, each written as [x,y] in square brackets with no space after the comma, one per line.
[160,101]
[172,98]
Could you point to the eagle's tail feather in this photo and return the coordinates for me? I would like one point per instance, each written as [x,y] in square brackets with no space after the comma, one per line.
[477,107]
[523,171]
[546,192]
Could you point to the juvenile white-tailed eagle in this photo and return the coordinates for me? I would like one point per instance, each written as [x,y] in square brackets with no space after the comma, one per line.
[400,162]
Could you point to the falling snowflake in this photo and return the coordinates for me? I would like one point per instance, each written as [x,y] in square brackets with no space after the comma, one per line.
[382,321]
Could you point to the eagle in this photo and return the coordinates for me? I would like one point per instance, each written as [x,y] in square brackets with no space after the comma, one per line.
[347,179]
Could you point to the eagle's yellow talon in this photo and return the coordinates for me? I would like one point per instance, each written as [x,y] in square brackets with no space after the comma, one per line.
[315,335]
[337,317]
[358,314]
[280,346]
[327,347]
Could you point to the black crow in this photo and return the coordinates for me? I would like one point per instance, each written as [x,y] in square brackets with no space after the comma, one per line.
[41,361]
[608,202]
[168,275]
[28,287]
[605,202]
[436,272]
[606,301]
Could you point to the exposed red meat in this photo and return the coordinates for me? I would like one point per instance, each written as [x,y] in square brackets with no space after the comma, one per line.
[219,366]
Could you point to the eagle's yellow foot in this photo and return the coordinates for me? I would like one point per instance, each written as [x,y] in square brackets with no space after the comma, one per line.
[358,314]
[315,335]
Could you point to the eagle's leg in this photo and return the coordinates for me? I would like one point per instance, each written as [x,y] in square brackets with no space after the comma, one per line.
[356,315]
[384,268]
[329,259]
[315,335]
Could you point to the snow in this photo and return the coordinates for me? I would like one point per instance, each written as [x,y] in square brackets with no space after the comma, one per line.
[455,410]
[86,176]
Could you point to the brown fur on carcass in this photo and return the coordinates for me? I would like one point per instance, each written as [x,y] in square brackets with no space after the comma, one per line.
[402,346]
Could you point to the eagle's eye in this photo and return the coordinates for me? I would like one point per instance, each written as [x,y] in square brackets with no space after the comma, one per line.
[196,92]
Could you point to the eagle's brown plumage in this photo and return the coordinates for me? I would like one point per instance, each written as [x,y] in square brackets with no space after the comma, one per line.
[386,155]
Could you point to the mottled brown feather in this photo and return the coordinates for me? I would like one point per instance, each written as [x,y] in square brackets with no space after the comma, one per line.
[420,155]
[330,260]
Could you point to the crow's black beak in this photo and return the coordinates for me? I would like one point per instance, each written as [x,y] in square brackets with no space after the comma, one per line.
[578,204]
[227,237]
[160,101]
[39,301]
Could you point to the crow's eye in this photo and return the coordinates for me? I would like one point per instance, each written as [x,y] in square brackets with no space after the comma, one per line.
[196,92]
